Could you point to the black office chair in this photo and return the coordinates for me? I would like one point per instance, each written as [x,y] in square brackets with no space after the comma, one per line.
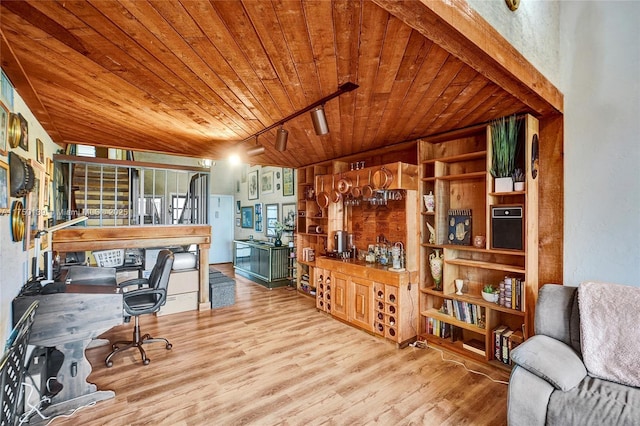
[146,298]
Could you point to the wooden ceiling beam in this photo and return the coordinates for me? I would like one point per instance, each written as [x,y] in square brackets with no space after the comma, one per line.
[461,31]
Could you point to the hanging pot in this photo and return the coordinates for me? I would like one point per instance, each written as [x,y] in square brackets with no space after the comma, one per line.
[356,192]
[336,196]
[382,178]
[322,198]
[344,185]
[367,190]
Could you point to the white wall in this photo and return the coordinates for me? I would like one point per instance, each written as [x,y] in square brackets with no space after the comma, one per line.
[15,267]
[276,197]
[600,63]
[590,51]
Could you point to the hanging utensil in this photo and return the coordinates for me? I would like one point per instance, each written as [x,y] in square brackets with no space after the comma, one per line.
[367,190]
[356,192]
[382,178]
[344,185]
[322,198]
[336,196]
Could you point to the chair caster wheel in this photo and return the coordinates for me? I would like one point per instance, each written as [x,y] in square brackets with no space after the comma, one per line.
[169,346]
[146,361]
[109,364]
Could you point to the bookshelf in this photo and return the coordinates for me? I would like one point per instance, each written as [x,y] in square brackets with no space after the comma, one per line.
[455,168]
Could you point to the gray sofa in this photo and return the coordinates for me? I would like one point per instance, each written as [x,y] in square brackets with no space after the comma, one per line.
[549,383]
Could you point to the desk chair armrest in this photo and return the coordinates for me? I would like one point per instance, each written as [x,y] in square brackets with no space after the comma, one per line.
[132,309]
[138,282]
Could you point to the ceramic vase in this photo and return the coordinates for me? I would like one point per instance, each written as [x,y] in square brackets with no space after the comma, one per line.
[436,259]
[503,184]
[429,202]
[459,285]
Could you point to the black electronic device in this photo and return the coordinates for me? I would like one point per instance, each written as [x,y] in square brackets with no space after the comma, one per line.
[507,227]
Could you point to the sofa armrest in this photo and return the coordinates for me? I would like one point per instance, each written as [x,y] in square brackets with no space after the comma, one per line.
[550,360]
[528,398]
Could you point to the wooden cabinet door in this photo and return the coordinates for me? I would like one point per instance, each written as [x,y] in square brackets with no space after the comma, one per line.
[360,303]
[339,288]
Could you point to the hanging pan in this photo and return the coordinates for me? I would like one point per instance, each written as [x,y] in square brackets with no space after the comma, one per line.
[322,198]
[356,192]
[382,178]
[344,185]
[336,196]
[367,190]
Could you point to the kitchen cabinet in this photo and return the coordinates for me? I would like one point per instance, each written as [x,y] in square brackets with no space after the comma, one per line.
[371,297]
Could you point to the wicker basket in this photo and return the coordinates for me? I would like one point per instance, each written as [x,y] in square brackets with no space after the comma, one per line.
[109,258]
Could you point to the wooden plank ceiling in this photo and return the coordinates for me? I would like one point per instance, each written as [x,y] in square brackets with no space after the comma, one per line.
[196,77]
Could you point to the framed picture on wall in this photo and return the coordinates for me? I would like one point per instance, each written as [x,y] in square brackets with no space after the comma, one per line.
[4,186]
[4,128]
[40,151]
[258,217]
[266,182]
[287,182]
[24,133]
[252,185]
[247,217]
[289,216]
[271,218]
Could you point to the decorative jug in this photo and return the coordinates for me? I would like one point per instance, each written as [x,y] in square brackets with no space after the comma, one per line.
[436,259]
[429,202]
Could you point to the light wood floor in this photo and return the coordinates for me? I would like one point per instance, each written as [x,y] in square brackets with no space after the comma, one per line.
[273,359]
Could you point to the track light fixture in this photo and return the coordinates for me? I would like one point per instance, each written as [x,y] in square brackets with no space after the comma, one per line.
[318,117]
[320,124]
[255,150]
[281,139]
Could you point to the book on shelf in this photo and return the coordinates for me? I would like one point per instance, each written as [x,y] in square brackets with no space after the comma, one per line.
[460,227]
[506,336]
[512,293]
[474,345]
[497,339]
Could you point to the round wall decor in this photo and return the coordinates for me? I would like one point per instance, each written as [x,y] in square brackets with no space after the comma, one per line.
[14,131]
[17,221]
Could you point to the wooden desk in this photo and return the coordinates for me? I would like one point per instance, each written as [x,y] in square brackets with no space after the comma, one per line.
[69,321]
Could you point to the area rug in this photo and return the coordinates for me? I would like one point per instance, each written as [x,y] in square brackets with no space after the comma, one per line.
[609,331]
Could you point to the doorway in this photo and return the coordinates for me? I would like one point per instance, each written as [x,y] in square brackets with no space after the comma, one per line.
[222,228]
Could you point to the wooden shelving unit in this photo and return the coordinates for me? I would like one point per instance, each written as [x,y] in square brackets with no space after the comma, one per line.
[312,217]
[455,170]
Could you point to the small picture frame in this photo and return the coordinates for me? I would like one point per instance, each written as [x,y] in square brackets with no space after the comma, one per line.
[40,151]
[287,182]
[271,219]
[266,182]
[4,187]
[238,208]
[289,216]
[258,217]
[24,134]
[252,185]
[247,217]
[4,128]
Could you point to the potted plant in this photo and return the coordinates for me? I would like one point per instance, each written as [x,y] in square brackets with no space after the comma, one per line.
[518,180]
[504,144]
[490,294]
